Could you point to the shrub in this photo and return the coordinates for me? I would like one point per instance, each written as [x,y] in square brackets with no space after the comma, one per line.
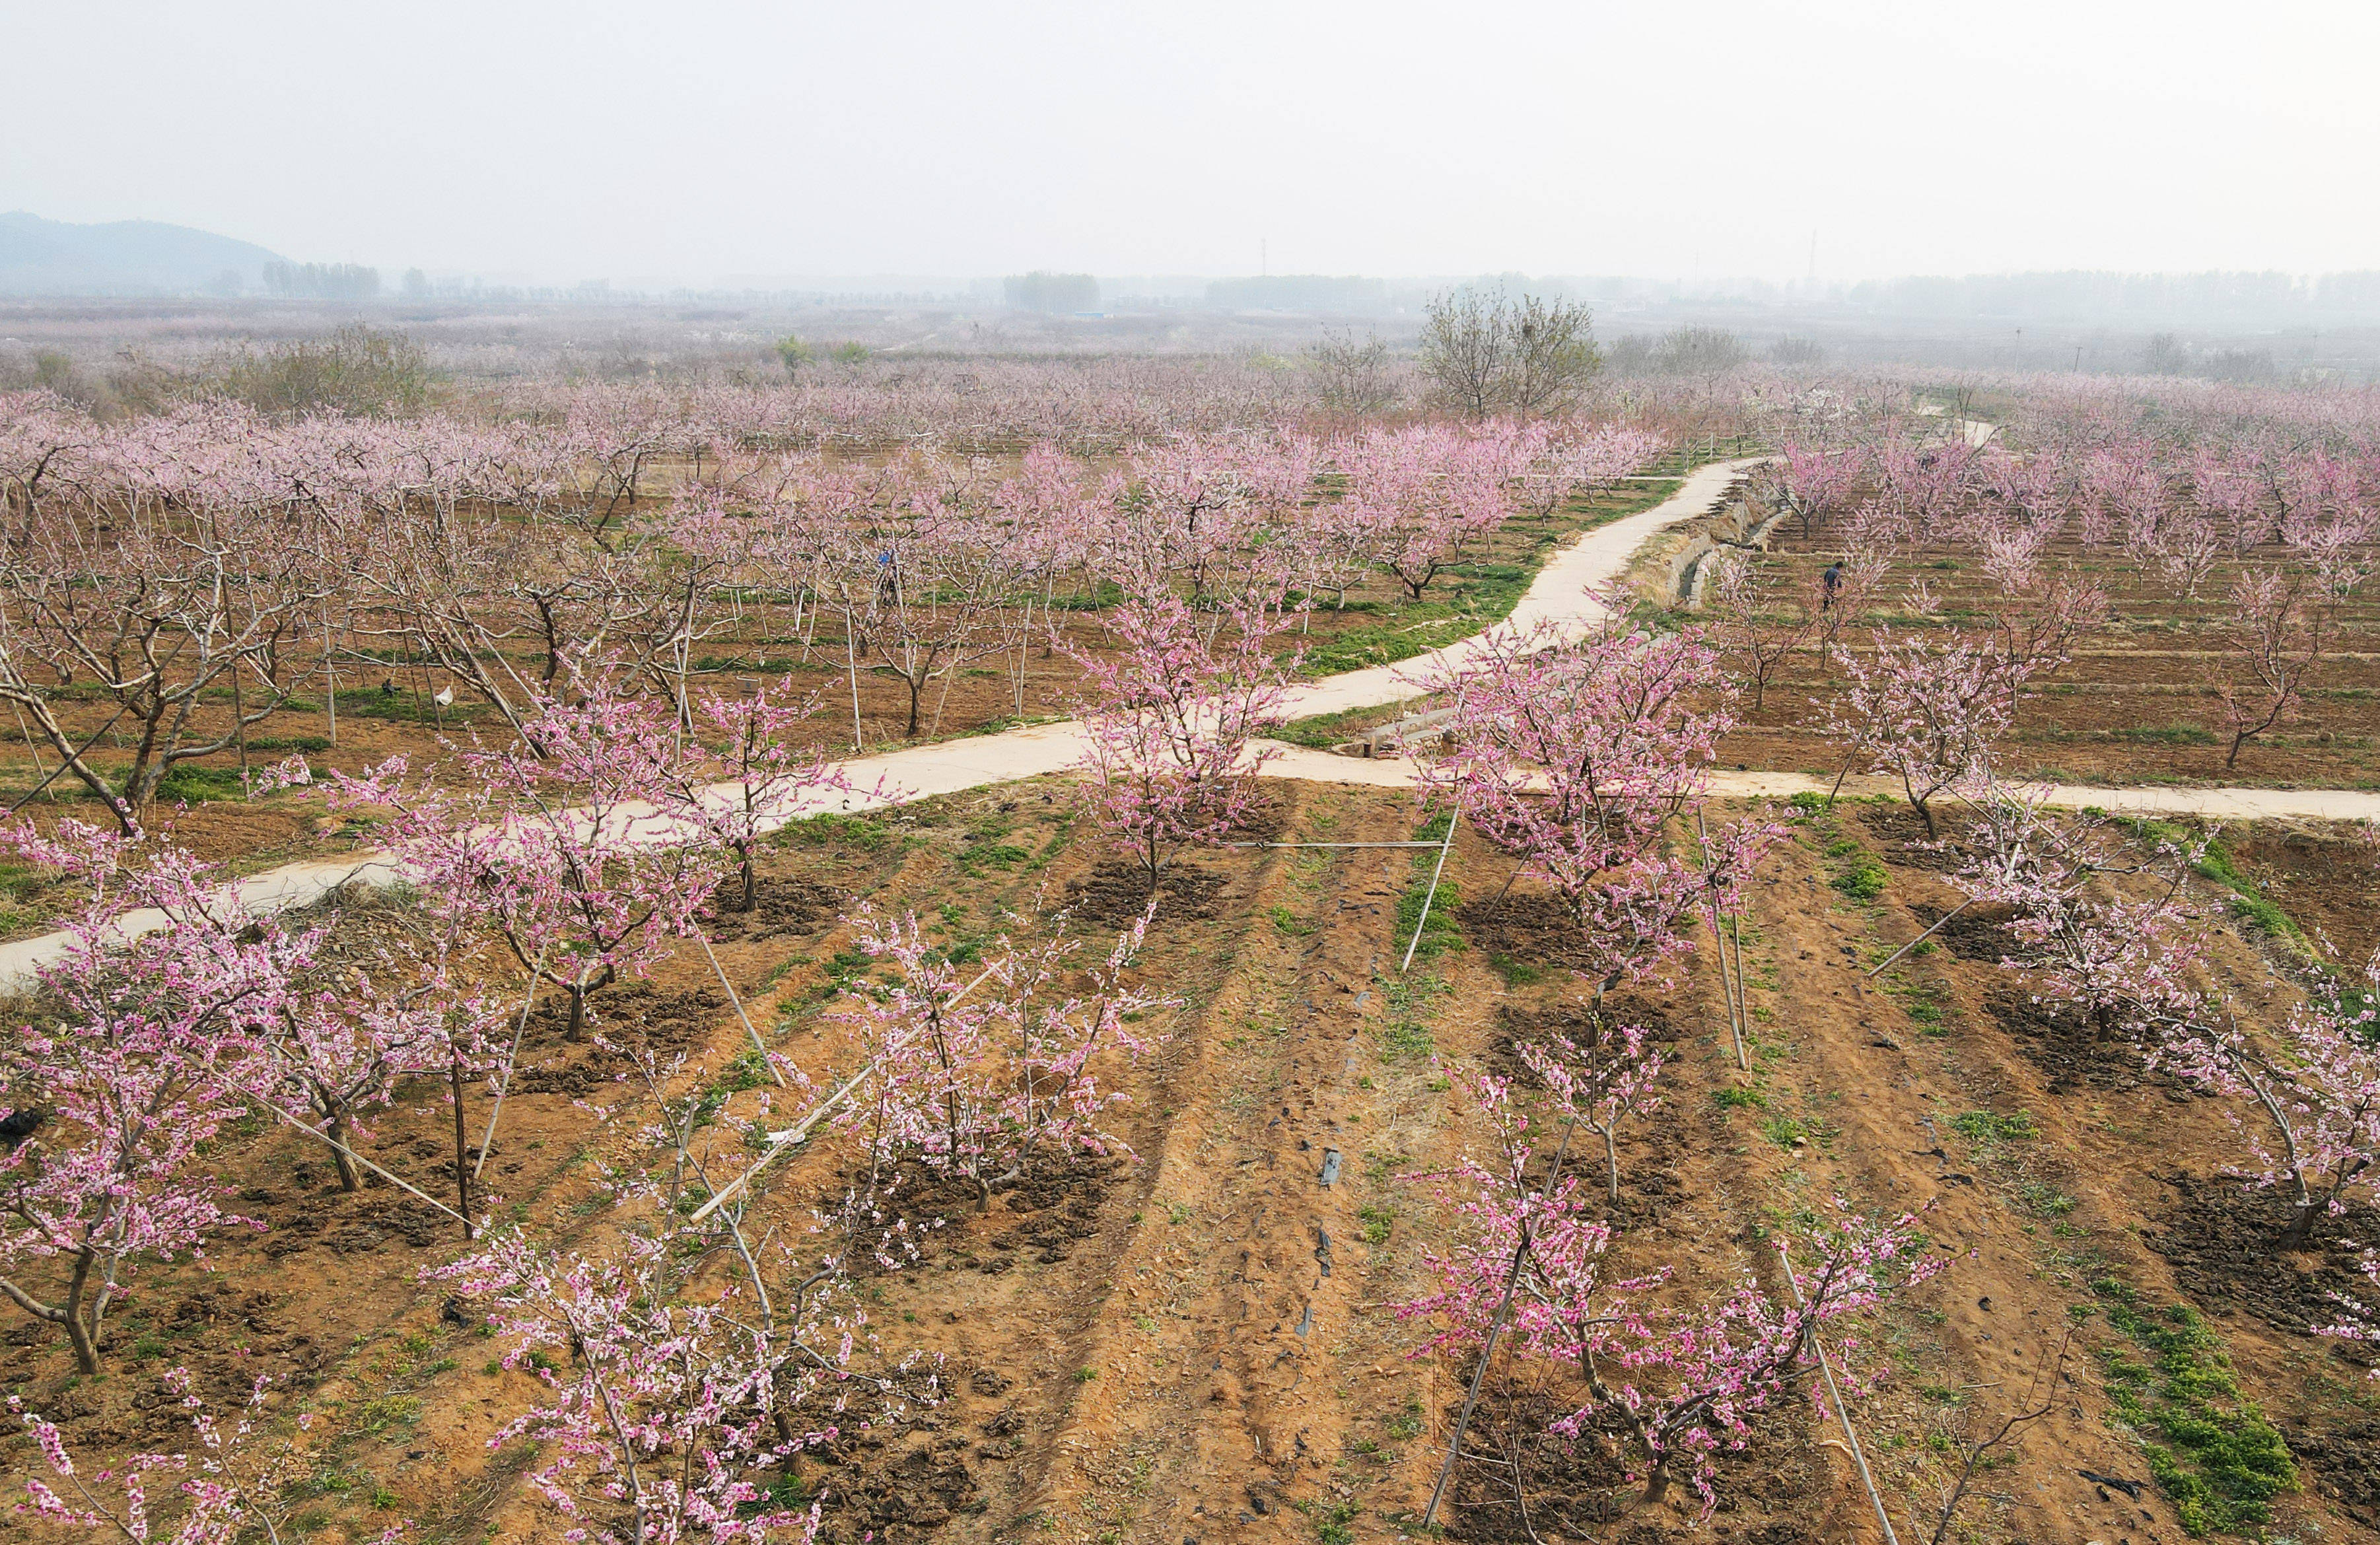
[358,370]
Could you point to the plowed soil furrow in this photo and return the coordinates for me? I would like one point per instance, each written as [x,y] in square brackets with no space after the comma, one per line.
[1234,1298]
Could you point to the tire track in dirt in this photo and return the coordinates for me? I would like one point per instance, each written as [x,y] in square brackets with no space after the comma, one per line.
[1244,1303]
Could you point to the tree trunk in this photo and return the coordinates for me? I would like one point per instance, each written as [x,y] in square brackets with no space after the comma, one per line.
[574,1030]
[86,1345]
[336,1129]
[462,1150]
[85,1352]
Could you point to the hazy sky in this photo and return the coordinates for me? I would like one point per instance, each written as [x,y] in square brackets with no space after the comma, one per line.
[690,139]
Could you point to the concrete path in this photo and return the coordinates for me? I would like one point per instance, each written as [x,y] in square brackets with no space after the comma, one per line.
[2222,805]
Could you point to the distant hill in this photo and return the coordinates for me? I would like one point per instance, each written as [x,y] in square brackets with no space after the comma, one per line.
[122,257]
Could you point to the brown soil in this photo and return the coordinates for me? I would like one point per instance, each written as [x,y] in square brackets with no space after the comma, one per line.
[1117,892]
[2220,1240]
[1197,1339]
[2137,704]
[2325,879]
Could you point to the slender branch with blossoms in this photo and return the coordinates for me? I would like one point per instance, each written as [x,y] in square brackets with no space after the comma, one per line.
[1426,493]
[748,774]
[2320,1090]
[1598,1084]
[1752,622]
[2095,925]
[2279,633]
[1722,1365]
[982,1080]
[557,843]
[141,1045]
[238,1482]
[2362,1321]
[1681,1383]
[338,1048]
[665,1419]
[1810,482]
[1925,713]
[1168,723]
[1532,1252]
[2039,620]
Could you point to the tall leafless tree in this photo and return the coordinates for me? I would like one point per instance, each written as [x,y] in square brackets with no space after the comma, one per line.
[1353,380]
[1485,354]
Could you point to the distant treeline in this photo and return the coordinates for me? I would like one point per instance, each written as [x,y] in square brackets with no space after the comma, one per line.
[1043,291]
[321,281]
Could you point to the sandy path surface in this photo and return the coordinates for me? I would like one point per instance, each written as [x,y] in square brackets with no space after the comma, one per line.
[1558,595]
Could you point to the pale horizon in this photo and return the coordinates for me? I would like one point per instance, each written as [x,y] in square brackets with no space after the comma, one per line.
[734,139]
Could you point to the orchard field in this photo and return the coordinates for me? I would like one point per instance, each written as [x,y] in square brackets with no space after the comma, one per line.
[697,1142]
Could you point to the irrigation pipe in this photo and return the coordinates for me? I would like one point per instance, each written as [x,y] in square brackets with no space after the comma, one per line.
[1731,985]
[1453,819]
[1842,1412]
[1726,989]
[393,1180]
[1421,844]
[512,1059]
[800,1129]
[1928,933]
[736,998]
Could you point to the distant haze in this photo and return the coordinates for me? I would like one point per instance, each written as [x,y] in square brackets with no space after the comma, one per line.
[692,142]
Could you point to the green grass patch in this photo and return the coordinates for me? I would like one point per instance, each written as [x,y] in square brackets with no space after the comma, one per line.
[1321,732]
[378,1416]
[188,783]
[1786,1131]
[1863,879]
[1289,921]
[1729,1096]
[1333,1522]
[1516,973]
[1982,1126]
[2247,902]
[1405,1036]
[2211,1450]
[984,856]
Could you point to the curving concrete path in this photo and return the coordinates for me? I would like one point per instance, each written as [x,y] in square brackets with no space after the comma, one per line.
[2215,804]
[1558,595]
